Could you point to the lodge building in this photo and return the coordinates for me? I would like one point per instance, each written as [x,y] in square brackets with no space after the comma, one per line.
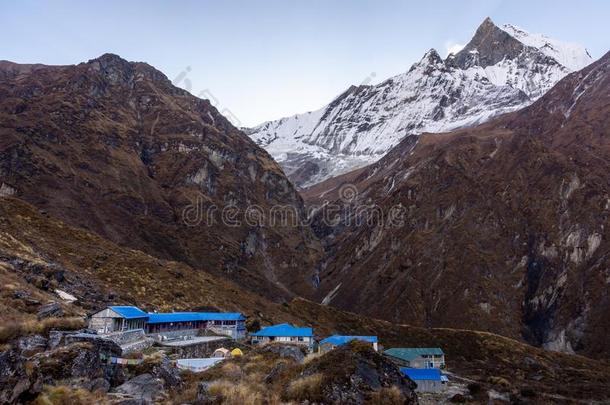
[163,326]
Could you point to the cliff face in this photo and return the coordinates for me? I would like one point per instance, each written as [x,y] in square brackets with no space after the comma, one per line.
[113,147]
[503,227]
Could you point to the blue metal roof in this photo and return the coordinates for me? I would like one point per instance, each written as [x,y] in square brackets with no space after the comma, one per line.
[421,374]
[284,329]
[129,312]
[194,316]
[411,353]
[338,340]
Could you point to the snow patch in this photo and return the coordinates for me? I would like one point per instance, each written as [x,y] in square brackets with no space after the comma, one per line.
[65,296]
[329,297]
[6,190]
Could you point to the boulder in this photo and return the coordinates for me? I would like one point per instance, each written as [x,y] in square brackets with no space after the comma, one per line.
[56,338]
[14,380]
[87,363]
[97,384]
[30,345]
[275,372]
[286,351]
[52,309]
[21,294]
[145,388]
[170,375]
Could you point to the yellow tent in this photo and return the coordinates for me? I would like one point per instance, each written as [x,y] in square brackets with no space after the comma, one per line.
[237,352]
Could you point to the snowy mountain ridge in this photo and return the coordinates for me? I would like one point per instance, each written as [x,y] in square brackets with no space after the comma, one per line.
[498,71]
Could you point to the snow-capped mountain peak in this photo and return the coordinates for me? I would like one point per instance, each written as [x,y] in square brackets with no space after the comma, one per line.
[571,55]
[499,70]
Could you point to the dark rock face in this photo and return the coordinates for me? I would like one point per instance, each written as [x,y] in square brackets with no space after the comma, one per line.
[31,345]
[489,46]
[49,310]
[169,374]
[13,378]
[98,384]
[144,388]
[286,351]
[503,227]
[23,373]
[353,372]
[304,172]
[147,165]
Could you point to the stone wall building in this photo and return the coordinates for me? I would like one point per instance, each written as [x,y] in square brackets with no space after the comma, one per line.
[167,326]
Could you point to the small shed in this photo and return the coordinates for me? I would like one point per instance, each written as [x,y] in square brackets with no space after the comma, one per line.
[427,379]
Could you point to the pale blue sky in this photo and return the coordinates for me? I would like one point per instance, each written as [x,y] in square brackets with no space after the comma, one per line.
[263,60]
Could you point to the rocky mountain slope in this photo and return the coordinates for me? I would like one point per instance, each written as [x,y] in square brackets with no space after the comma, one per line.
[40,254]
[501,69]
[113,147]
[501,227]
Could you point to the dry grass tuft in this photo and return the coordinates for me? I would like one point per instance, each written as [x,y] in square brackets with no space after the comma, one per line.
[14,330]
[306,388]
[232,393]
[499,381]
[312,356]
[62,395]
[388,396]
[232,371]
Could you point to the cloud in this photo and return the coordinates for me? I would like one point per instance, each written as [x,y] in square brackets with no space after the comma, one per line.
[453,47]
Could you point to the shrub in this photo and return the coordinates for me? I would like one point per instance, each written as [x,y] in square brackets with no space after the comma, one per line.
[474,388]
[253,325]
[499,381]
[10,331]
[232,393]
[231,371]
[306,388]
[62,395]
[388,396]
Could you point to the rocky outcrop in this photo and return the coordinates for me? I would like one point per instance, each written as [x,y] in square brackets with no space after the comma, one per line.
[143,389]
[27,367]
[356,374]
[52,309]
[286,351]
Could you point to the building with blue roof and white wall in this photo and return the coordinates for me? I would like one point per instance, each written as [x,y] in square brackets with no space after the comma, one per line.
[333,341]
[427,379]
[171,325]
[284,333]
